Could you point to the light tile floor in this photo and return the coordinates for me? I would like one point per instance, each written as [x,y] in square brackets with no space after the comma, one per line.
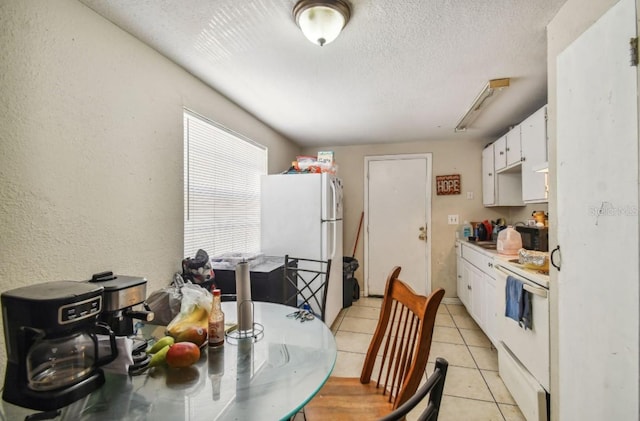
[473,389]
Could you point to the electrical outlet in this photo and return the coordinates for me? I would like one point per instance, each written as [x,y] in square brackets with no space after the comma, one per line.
[469,195]
[453,220]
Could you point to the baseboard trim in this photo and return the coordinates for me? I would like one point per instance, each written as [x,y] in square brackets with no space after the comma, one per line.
[451,300]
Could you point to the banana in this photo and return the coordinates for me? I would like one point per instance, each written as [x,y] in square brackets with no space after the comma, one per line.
[198,316]
[160,357]
[162,342]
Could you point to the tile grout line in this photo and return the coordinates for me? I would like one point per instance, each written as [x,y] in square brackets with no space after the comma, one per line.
[478,367]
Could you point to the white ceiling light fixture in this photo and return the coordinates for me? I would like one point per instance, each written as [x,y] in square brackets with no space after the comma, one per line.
[487,92]
[321,21]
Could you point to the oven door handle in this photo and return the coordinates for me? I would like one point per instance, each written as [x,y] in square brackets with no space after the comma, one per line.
[541,292]
[535,290]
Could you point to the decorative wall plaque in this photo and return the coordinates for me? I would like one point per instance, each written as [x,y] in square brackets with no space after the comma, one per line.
[448,184]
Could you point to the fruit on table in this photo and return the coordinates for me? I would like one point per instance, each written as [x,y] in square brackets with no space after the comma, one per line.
[196,317]
[194,334]
[161,343]
[182,354]
[160,357]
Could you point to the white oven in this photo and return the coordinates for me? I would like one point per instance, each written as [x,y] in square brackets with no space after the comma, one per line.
[523,355]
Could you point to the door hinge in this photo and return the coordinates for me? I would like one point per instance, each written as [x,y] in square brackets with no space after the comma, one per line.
[633,50]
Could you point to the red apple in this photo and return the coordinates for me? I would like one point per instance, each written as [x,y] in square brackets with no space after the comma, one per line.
[183,354]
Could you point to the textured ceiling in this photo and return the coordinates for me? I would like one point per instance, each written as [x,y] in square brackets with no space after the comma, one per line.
[402,70]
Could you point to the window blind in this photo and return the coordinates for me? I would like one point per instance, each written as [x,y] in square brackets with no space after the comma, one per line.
[222,173]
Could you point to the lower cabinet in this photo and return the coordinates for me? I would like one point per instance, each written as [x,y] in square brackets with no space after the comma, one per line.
[490,308]
[476,281]
[477,289]
[462,283]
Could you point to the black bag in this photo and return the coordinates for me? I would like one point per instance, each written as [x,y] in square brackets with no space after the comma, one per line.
[198,270]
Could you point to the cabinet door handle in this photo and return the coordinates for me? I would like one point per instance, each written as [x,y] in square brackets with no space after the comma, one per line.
[508,149]
[501,152]
[490,174]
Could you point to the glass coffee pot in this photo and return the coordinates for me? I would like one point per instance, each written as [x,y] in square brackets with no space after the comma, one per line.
[54,363]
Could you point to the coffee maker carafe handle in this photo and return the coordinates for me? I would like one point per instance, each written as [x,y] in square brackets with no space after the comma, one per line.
[104,329]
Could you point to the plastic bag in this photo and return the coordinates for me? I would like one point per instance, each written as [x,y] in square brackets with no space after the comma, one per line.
[166,302]
[194,310]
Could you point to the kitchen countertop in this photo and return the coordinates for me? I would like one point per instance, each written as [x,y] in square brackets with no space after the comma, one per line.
[503,260]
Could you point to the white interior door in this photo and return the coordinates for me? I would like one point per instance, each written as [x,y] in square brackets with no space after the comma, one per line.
[597,193]
[397,221]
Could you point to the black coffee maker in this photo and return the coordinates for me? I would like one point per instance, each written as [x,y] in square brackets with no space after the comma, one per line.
[52,349]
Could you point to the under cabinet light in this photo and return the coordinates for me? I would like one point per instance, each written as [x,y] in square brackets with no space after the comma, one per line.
[487,92]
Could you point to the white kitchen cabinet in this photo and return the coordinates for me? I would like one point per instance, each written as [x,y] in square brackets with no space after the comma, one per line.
[477,287]
[500,153]
[534,155]
[504,189]
[461,281]
[476,282]
[488,176]
[490,318]
[513,147]
[507,151]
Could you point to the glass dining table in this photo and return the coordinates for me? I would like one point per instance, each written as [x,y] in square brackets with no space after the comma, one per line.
[270,377]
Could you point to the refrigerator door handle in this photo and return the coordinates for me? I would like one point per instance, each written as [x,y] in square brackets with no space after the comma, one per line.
[334,202]
[335,240]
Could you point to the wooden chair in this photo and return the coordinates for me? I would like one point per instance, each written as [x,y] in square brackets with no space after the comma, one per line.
[405,328]
[434,387]
[310,280]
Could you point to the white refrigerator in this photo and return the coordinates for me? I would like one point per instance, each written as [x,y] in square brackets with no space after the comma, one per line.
[301,215]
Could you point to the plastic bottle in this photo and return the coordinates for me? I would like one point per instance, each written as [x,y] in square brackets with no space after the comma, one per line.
[216,321]
[509,241]
[466,230]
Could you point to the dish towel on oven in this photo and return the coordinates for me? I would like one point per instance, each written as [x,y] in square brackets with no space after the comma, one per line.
[518,302]
[525,310]
[513,295]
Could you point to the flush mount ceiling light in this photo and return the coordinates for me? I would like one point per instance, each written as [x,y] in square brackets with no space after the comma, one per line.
[321,21]
[494,85]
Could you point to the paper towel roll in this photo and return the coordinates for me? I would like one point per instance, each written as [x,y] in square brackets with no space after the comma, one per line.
[243,291]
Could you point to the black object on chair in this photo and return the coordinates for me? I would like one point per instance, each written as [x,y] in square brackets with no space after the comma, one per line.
[310,278]
[434,386]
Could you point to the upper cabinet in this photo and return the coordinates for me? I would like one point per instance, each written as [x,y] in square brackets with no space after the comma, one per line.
[507,152]
[513,151]
[488,176]
[499,188]
[534,156]
[510,164]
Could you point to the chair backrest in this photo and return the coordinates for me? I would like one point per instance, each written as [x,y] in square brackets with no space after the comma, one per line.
[434,387]
[310,280]
[405,328]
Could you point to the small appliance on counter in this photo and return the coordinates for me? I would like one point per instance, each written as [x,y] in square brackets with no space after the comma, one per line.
[121,294]
[52,349]
[534,238]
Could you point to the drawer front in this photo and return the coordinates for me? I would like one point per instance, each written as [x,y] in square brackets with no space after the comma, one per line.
[479,260]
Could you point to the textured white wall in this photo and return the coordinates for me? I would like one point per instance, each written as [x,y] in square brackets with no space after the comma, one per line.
[91,148]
